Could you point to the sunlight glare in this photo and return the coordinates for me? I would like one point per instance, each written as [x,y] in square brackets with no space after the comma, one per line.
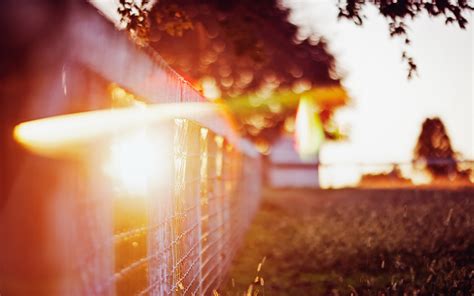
[133,162]
[72,134]
[308,129]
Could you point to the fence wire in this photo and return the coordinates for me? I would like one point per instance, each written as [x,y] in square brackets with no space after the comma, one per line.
[66,230]
[182,241]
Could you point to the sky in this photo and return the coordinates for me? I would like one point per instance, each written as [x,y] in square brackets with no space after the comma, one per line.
[387,109]
[109,9]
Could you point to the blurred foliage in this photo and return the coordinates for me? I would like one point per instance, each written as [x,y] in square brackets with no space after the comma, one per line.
[397,12]
[135,17]
[248,50]
[261,114]
[360,242]
[248,55]
[434,150]
[244,46]
[172,20]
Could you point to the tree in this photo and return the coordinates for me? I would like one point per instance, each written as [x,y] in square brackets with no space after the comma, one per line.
[248,54]
[397,13]
[434,149]
[244,53]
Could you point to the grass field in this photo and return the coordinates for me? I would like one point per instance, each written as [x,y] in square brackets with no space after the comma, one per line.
[364,242]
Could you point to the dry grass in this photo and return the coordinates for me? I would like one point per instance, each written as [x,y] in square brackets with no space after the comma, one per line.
[364,242]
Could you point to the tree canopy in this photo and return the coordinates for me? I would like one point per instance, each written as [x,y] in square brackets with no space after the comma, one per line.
[434,149]
[245,53]
[249,55]
[396,12]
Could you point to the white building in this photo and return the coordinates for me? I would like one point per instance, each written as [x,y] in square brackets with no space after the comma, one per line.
[286,169]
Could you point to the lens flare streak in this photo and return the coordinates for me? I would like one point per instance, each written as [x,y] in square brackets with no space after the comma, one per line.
[308,130]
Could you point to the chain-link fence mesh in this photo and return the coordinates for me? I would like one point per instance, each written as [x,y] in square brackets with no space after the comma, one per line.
[65,229]
[180,240]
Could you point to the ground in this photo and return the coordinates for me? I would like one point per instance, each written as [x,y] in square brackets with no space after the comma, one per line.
[359,241]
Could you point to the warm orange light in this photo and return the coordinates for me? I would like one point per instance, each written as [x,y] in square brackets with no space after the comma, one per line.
[339,176]
[67,135]
[136,153]
[133,161]
[308,129]
[210,89]
[263,146]
[289,125]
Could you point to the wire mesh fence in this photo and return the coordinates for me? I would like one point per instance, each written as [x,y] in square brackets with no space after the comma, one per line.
[182,238]
[66,229]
